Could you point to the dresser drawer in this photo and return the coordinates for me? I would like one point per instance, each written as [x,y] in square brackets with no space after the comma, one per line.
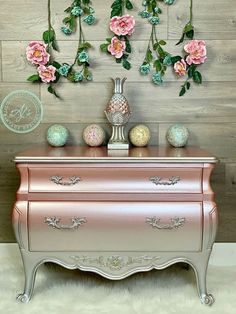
[120,226]
[105,179]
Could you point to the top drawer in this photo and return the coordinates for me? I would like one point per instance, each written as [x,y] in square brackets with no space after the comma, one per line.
[115,179]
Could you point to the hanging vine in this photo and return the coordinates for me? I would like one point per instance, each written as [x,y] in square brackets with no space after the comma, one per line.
[156,56]
[79,11]
[39,53]
[195,55]
[122,25]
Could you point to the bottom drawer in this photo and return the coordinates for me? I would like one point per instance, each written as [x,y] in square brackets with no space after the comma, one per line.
[115,226]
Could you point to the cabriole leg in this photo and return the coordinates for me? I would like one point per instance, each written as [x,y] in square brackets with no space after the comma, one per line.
[200,271]
[30,269]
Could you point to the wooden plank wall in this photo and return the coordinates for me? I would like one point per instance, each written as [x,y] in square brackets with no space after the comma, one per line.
[209,111]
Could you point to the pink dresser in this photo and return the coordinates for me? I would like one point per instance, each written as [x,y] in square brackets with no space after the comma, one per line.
[115,212]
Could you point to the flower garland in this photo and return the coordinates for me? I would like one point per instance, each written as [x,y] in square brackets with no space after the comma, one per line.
[39,53]
[77,10]
[123,27]
[155,54]
[195,54]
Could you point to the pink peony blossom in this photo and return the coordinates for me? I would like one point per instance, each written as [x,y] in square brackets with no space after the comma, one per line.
[197,52]
[122,25]
[180,67]
[117,47]
[47,74]
[36,53]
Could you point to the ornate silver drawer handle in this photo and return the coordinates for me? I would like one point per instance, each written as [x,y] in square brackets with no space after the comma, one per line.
[157,180]
[58,180]
[175,223]
[54,223]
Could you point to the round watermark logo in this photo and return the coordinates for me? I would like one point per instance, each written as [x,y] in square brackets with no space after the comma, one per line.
[21,111]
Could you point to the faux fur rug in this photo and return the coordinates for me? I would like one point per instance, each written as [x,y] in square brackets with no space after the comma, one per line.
[62,291]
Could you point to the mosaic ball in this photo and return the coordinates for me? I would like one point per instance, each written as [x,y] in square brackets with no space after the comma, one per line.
[94,135]
[140,135]
[177,135]
[57,135]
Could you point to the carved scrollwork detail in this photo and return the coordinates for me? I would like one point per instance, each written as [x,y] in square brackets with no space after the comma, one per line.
[158,180]
[114,262]
[58,180]
[175,223]
[54,223]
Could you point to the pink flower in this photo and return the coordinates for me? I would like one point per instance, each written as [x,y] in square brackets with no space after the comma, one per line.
[122,25]
[36,53]
[117,47]
[197,52]
[47,74]
[180,67]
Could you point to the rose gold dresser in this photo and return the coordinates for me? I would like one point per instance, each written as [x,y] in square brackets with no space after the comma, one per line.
[115,213]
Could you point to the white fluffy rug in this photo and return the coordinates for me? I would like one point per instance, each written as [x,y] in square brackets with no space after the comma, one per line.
[58,291]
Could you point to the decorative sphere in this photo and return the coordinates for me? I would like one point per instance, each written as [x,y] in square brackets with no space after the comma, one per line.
[139,135]
[57,135]
[177,135]
[94,135]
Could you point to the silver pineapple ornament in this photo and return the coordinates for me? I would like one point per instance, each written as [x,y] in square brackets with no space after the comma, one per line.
[118,114]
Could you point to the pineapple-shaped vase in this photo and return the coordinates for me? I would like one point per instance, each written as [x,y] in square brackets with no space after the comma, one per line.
[118,114]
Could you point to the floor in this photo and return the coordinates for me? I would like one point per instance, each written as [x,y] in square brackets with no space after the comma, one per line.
[172,290]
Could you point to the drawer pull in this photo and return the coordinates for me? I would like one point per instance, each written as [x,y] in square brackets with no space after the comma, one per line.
[175,223]
[157,180]
[58,180]
[54,223]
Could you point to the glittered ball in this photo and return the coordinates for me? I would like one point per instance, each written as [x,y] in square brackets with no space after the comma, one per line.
[177,135]
[57,135]
[93,135]
[139,135]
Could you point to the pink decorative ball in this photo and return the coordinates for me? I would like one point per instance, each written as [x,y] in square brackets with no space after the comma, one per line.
[93,135]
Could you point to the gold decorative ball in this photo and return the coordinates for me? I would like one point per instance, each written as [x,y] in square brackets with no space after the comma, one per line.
[140,135]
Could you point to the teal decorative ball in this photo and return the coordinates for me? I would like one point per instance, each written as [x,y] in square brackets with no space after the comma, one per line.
[57,135]
[177,135]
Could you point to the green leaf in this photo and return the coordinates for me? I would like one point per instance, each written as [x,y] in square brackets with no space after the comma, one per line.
[109,40]
[175,59]
[66,20]
[51,90]
[188,27]
[116,9]
[149,56]
[191,70]
[34,78]
[162,42]
[181,39]
[56,64]
[55,46]
[190,34]
[67,10]
[126,64]
[86,10]
[104,47]
[128,5]
[85,45]
[49,36]
[188,85]
[157,64]
[118,60]
[197,77]
[128,46]
[155,46]
[182,91]
[72,23]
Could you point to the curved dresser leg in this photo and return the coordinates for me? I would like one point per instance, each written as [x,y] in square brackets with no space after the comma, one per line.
[30,269]
[200,269]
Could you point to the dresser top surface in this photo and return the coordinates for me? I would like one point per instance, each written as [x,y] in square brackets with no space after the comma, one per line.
[47,154]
